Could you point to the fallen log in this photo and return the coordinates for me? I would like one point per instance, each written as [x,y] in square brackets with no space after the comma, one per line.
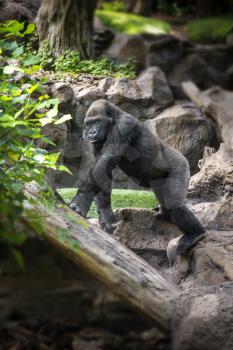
[218,104]
[122,271]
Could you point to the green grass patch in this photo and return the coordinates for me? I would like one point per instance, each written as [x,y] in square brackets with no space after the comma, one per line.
[120,199]
[132,24]
[209,30]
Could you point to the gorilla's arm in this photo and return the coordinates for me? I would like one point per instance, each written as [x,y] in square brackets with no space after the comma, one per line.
[99,182]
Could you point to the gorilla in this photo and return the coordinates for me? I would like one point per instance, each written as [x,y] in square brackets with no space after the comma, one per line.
[120,140]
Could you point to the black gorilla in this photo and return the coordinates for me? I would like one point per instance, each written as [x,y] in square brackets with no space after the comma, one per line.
[119,139]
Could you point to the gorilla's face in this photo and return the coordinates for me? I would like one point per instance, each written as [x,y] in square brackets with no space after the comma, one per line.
[96,129]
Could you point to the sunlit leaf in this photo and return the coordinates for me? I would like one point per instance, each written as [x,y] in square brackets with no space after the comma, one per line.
[30,28]
[65,169]
[63,119]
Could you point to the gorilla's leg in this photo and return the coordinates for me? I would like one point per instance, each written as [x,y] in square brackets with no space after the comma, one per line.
[186,221]
[175,192]
[102,177]
[162,212]
[106,215]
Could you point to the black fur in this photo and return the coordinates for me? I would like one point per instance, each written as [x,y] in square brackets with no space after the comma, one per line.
[119,139]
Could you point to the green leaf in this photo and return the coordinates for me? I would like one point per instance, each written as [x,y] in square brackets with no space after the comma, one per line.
[45,121]
[65,169]
[33,88]
[63,119]
[40,158]
[31,60]
[9,69]
[30,28]
[12,27]
[18,52]
[32,70]
[52,112]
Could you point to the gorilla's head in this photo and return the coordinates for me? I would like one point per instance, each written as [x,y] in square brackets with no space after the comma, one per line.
[97,128]
[99,119]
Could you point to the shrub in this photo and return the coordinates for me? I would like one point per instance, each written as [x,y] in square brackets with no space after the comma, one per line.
[24,109]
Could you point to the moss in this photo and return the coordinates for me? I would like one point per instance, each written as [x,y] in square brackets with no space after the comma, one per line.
[120,199]
[208,30]
[132,24]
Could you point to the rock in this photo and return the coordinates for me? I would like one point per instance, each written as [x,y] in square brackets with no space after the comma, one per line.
[230,78]
[88,95]
[185,128]
[149,237]
[65,95]
[145,96]
[139,230]
[20,10]
[211,190]
[194,68]
[229,40]
[105,84]
[217,56]
[124,90]
[154,86]
[124,47]
[165,51]
[217,103]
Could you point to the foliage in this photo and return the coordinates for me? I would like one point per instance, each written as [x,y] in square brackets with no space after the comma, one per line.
[70,62]
[24,109]
[213,29]
[120,199]
[132,24]
[115,6]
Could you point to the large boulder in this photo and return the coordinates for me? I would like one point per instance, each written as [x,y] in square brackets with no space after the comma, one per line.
[185,127]
[196,69]
[144,97]
[124,47]
[20,10]
[165,51]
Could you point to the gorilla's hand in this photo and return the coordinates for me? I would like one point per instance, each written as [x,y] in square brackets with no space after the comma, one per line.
[78,209]
[81,203]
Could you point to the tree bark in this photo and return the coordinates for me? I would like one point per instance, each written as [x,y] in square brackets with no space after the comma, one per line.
[123,272]
[67,24]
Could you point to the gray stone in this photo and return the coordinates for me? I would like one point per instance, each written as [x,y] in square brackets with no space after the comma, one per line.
[229,40]
[194,68]
[154,87]
[165,51]
[185,128]
[124,47]
[124,90]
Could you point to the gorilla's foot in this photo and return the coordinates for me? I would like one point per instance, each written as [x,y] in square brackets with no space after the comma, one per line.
[187,242]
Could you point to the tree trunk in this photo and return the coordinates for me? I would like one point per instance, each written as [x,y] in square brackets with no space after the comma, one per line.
[140,7]
[125,274]
[67,24]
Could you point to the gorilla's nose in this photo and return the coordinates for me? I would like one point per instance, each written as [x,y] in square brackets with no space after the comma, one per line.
[92,133]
